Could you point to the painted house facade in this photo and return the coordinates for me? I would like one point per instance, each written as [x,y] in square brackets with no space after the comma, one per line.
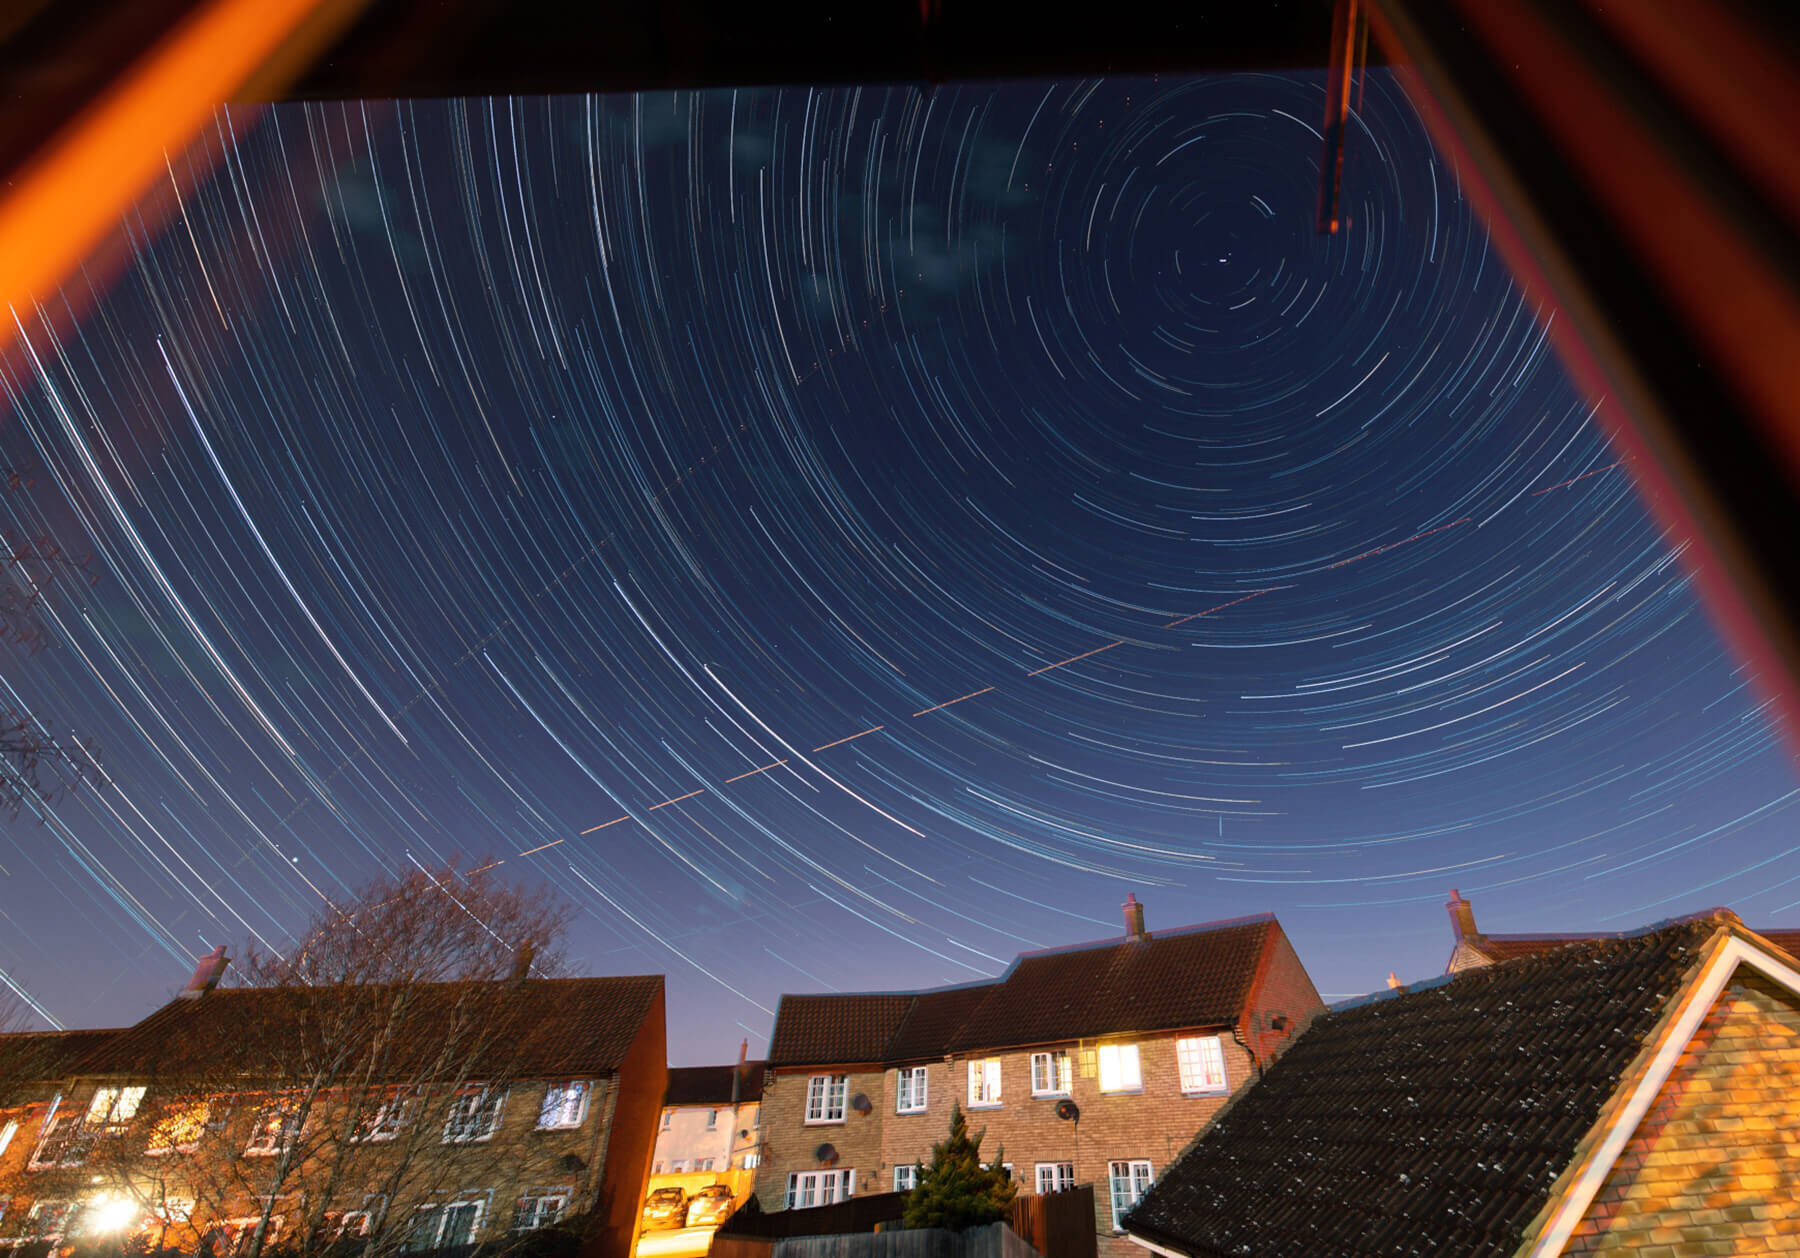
[1091,1064]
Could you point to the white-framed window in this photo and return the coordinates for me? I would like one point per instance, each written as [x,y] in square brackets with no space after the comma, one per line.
[1051,1073]
[237,1234]
[173,1210]
[1055,1176]
[384,1116]
[712,1119]
[442,1224]
[566,1105]
[906,1178]
[540,1207]
[678,1167]
[1119,1069]
[1202,1062]
[61,1143]
[909,1092]
[7,1133]
[275,1128]
[1129,1181]
[825,1098]
[1006,1169]
[51,1220]
[474,1115]
[704,1164]
[110,1109]
[819,1188]
[752,1161]
[984,1082]
[179,1127]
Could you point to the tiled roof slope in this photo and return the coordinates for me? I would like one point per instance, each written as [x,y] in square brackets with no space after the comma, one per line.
[837,1029]
[711,1085]
[536,1029]
[1434,1121]
[934,1020]
[1196,977]
[40,1056]
[1511,947]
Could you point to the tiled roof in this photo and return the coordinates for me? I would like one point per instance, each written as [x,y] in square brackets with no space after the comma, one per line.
[837,1029]
[40,1056]
[934,1020]
[711,1085]
[1197,976]
[542,1028]
[1431,1121]
[1512,947]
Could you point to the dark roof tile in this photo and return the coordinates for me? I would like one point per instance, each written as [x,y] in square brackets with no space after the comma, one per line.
[836,1029]
[1435,1121]
[711,1085]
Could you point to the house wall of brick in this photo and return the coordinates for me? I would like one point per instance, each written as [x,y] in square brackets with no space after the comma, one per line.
[1153,1124]
[1714,1168]
[630,1138]
[1282,1001]
[224,1180]
[790,1142]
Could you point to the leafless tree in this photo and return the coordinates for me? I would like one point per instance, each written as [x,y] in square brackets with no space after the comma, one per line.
[366,1064]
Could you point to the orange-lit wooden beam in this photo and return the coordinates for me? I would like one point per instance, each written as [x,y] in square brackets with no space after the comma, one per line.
[66,197]
[1653,218]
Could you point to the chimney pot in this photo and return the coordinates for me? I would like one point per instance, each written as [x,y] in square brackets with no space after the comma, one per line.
[1134,917]
[207,973]
[1462,917]
[522,963]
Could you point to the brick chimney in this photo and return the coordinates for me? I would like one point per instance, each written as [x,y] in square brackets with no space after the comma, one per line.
[1134,918]
[522,963]
[1462,917]
[207,973]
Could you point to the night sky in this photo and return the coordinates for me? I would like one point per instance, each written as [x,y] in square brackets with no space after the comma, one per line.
[841,539]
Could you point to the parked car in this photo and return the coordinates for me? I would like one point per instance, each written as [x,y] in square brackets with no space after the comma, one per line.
[665,1207]
[709,1207]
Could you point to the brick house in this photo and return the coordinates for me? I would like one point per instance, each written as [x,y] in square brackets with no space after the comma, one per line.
[1636,1094]
[1092,1064]
[1471,948]
[179,1130]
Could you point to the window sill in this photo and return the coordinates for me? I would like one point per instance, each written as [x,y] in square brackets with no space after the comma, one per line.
[985,1105]
[822,1122]
[1208,1092]
[1050,1096]
[564,1127]
[1122,1091]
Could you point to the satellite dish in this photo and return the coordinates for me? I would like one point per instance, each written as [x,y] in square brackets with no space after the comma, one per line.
[860,1103]
[826,1155]
[1068,1111]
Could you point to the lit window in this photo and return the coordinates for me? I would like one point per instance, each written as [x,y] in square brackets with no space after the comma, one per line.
[179,1128]
[910,1095]
[1055,1176]
[566,1105]
[49,1220]
[906,1178]
[7,1133]
[1051,1074]
[1202,1062]
[1129,1180]
[276,1126]
[752,1161]
[825,1098]
[474,1115]
[984,1081]
[704,1164]
[819,1188]
[111,1108]
[540,1207]
[1119,1068]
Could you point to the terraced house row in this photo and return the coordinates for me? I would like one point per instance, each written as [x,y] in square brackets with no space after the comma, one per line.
[441,1115]
[1095,1063]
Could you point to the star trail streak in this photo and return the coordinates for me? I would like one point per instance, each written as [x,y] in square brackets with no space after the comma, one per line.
[840,538]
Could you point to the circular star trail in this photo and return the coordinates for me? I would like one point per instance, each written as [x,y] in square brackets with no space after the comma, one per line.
[841,539]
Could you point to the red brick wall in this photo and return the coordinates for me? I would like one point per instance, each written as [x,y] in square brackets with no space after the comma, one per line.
[1283,990]
[1714,1168]
[634,1113]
